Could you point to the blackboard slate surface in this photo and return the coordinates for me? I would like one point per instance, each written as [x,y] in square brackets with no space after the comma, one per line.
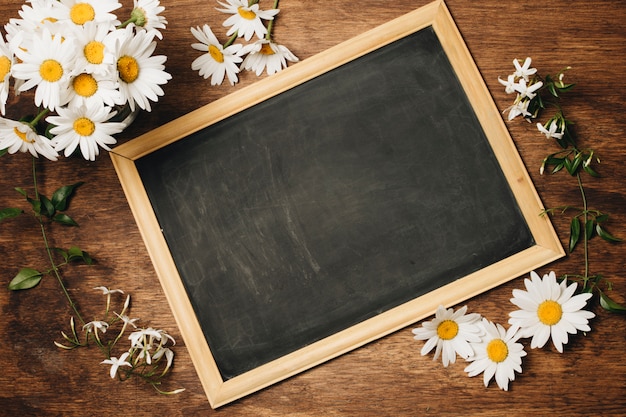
[329,203]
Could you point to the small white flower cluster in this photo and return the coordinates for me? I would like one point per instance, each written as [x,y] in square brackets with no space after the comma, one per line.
[83,65]
[548,310]
[225,61]
[526,84]
[525,87]
[147,349]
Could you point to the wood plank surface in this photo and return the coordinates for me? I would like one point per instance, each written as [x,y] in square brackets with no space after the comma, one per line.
[388,377]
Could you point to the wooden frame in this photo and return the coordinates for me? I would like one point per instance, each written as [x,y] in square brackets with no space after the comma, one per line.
[546,247]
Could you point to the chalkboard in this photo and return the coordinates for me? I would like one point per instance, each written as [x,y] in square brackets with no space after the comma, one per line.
[324,206]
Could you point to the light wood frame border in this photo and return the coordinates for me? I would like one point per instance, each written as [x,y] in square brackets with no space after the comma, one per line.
[547,249]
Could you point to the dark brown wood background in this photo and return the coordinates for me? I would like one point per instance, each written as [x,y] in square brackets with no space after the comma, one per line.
[387,377]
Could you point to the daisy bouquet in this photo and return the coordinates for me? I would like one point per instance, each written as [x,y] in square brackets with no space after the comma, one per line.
[82,68]
[87,75]
[246,21]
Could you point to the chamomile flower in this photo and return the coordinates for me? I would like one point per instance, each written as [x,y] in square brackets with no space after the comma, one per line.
[84,127]
[524,71]
[549,309]
[96,41]
[80,12]
[145,14]
[140,73]
[497,354]
[449,333]
[217,61]
[46,65]
[18,136]
[6,64]
[93,90]
[264,54]
[38,12]
[246,20]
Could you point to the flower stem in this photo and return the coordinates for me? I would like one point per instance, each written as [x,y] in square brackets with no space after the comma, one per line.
[585,219]
[55,268]
[270,25]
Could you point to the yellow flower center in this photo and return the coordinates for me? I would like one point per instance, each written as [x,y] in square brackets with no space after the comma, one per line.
[266,49]
[128,68]
[84,127]
[447,329]
[5,67]
[85,85]
[216,54]
[49,19]
[22,135]
[94,52]
[246,14]
[497,350]
[549,312]
[51,70]
[82,13]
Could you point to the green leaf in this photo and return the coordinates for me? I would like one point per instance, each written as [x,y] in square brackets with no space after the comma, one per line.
[587,168]
[36,204]
[64,219]
[574,235]
[608,304]
[25,279]
[589,228]
[3,151]
[63,253]
[602,218]
[61,196]
[606,235]
[10,212]
[21,191]
[47,209]
[75,254]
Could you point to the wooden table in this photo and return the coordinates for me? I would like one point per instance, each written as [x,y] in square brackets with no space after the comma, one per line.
[386,377]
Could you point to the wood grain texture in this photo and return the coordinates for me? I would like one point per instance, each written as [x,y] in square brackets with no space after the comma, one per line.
[387,377]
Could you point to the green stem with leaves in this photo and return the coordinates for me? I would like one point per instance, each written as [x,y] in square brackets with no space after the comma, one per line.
[55,268]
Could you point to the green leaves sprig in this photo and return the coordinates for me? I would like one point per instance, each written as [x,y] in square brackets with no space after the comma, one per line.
[534,95]
[51,210]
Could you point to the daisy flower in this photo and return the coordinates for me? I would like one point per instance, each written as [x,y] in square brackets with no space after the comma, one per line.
[140,74]
[217,61]
[449,332]
[497,354]
[6,62]
[549,309]
[18,136]
[96,41]
[93,90]
[84,127]
[246,20]
[145,14]
[80,12]
[266,54]
[46,65]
